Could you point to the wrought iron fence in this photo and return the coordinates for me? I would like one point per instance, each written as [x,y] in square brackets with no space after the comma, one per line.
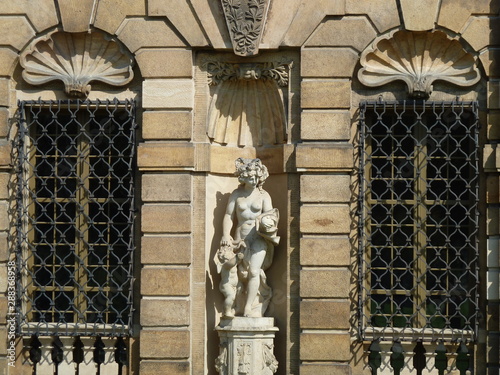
[418,221]
[75,217]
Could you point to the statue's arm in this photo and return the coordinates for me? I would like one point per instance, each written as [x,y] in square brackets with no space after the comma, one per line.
[267,204]
[227,221]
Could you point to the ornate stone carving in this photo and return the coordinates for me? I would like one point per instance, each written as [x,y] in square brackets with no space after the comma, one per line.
[247,346]
[247,108]
[245,20]
[76,59]
[245,254]
[418,59]
[269,359]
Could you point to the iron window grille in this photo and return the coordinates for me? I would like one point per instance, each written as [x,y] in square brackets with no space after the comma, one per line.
[75,217]
[418,221]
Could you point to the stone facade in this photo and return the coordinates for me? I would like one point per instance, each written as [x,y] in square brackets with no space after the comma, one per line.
[184,179]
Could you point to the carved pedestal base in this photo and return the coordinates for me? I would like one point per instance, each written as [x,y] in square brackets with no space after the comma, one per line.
[246,346]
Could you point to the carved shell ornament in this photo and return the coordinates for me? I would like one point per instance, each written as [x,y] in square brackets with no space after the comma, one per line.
[418,59]
[76,59]
[247,106]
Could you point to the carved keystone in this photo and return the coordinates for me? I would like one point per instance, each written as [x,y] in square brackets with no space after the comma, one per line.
[245,20]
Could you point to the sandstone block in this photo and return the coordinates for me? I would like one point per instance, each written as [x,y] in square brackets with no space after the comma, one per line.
[166,188]
[322,156]
[332,218]
[3,309]
[164,344]
[492,222]
[4,216]
[157,63]
[4,247]
[309,15]
[20,32]
[325,347]
[494,125]
[5,154]
[4,185]
[328,62]
[164,312]
[168,93]
[215,27]
[222,158]
[76,15]
[355,32]
[8,58]
[175,218]
[419,16]
[324,283]
[3,279]
[138,33]
[164,156]
[475,33]
[325,125]
[325,188]
[329,368]
[164,367]
[325,251]
[492,189]
[167,124]
[491,62]
[42,16]
[165,281]
[281,21]
[4,92]
[111,13]
[323,314]
[325,94]
[383,13]
[166,250]
[182,17]
[4,122]
[455,13]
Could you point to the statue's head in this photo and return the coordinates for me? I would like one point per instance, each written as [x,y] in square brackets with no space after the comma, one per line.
[245,167]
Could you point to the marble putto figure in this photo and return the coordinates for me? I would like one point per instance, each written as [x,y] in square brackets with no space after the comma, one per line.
[246,251]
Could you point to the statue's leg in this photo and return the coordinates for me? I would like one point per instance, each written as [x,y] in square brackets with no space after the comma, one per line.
[256,259]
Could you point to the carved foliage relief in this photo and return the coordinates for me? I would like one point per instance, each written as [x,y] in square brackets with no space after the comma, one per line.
[76,59]
[245,20]
[247,106]
[418,59]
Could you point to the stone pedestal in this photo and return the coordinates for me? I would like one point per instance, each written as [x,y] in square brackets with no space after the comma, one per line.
[246,346]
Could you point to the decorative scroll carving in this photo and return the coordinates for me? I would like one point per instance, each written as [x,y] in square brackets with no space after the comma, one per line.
[245,20]
[418,59]
[76,59]
[221,360]
[244,358]
[269,359]
[247,108]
